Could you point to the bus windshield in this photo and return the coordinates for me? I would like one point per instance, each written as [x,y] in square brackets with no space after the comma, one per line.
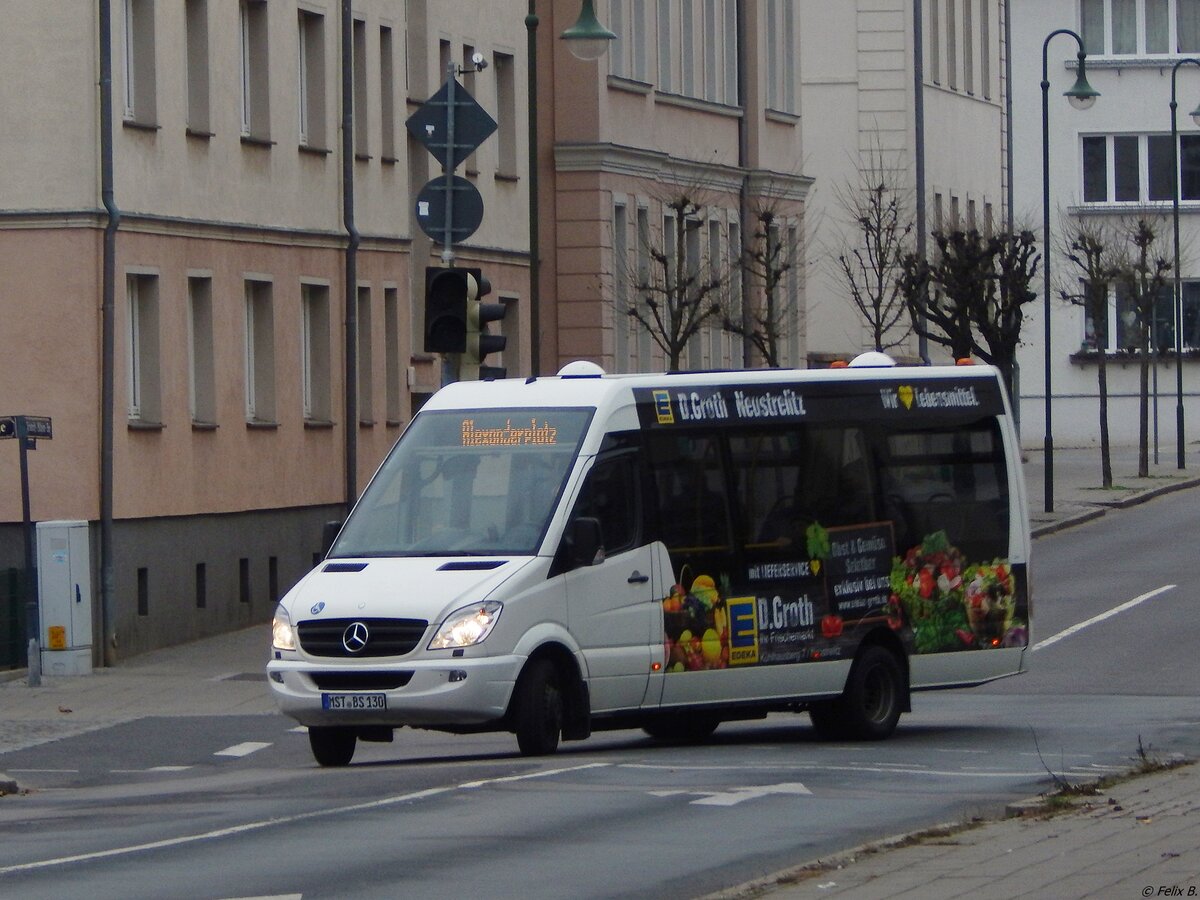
[467,483]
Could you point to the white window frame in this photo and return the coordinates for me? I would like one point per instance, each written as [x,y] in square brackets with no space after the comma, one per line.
[1107,42]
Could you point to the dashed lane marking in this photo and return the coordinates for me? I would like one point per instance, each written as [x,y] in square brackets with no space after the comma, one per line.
[244,749]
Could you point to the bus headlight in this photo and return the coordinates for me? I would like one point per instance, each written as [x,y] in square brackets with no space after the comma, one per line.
[283,635]
[467,626]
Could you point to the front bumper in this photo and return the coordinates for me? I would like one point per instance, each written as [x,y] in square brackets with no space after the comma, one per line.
[443,692]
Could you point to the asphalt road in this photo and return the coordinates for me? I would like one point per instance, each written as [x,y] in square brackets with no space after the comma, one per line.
[234,806]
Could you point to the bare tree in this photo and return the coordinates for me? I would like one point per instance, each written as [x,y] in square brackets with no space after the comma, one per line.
[973,295]
[1092,247]
[673,295]
[771,255]
[873,266]
[1146,271]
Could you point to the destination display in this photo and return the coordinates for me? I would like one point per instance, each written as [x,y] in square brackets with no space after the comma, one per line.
[942,402]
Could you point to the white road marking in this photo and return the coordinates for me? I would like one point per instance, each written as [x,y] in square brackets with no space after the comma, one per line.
[270,823]
[530,775]
[151,769]
[1128,604]
[242,749]
[874,769]
[44,771]
[737,795]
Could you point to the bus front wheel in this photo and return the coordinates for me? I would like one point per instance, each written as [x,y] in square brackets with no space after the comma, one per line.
[870,704]
[540,709]
[332,746]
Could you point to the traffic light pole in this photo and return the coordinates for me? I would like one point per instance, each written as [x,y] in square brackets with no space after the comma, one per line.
[451,162]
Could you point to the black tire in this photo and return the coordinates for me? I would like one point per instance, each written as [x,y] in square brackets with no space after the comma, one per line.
[332,746]
[870,705]
[540,709]
[688,728]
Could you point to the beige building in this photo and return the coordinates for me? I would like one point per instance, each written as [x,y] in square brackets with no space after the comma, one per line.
[246,208]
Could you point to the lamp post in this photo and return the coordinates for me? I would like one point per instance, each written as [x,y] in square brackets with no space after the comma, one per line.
[587,39]
[1081,96]
[1177,310]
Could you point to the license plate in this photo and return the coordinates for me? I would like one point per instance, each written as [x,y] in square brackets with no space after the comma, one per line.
[354,701]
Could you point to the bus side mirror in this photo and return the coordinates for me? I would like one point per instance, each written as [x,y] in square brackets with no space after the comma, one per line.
[585,543]
[329,533]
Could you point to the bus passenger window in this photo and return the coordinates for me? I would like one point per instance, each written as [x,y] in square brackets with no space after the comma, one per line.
[692,510]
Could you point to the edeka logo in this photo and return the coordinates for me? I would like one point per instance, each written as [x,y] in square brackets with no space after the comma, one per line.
[743,631]
[662,407]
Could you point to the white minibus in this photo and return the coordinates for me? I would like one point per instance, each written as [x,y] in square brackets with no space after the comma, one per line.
[557,555]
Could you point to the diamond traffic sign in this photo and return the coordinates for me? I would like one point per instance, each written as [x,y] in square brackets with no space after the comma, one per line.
[431,124]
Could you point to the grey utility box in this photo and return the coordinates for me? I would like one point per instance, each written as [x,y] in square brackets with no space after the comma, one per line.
[65,597]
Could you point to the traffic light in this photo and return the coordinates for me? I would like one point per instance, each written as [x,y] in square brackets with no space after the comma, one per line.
[447,291]
[479,342]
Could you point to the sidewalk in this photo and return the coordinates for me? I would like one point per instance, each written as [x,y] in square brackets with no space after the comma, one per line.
[1143,834]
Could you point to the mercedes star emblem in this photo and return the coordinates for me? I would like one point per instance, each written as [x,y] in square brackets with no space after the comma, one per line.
[354,638]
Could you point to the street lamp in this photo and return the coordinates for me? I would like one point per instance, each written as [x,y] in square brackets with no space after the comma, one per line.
[587,39]
[1081,96]
[1177,311]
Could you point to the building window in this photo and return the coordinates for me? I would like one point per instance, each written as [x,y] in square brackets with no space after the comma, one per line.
[363,345]
[622,321]
[952,44]
[665,82]
[968,54]
[642,262]
[387,94]
[202,383]
[255,93]
[687,47]
[143,358]
[627,20]
[139,62]
[781,55]
[1138,168]
[201,585]
[196,39]
[314,349]
[1135,27]
[985,48]
[260,353]
[1117,330]
[935,41]
[143,592]
[391,354]
[310,93]
[361,133]
[506,115]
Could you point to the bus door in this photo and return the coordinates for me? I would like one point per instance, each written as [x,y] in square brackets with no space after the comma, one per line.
[612,607]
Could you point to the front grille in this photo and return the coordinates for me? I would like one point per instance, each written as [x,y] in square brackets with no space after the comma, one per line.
[360,681]
[385,637]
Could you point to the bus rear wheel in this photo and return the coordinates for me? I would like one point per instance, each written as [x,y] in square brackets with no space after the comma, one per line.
[332,746]
[870,704]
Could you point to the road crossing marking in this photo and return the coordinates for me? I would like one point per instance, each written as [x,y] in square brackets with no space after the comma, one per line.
[244,749]
[1128,604]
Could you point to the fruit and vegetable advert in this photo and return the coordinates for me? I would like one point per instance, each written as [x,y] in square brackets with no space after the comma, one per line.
[853,580]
